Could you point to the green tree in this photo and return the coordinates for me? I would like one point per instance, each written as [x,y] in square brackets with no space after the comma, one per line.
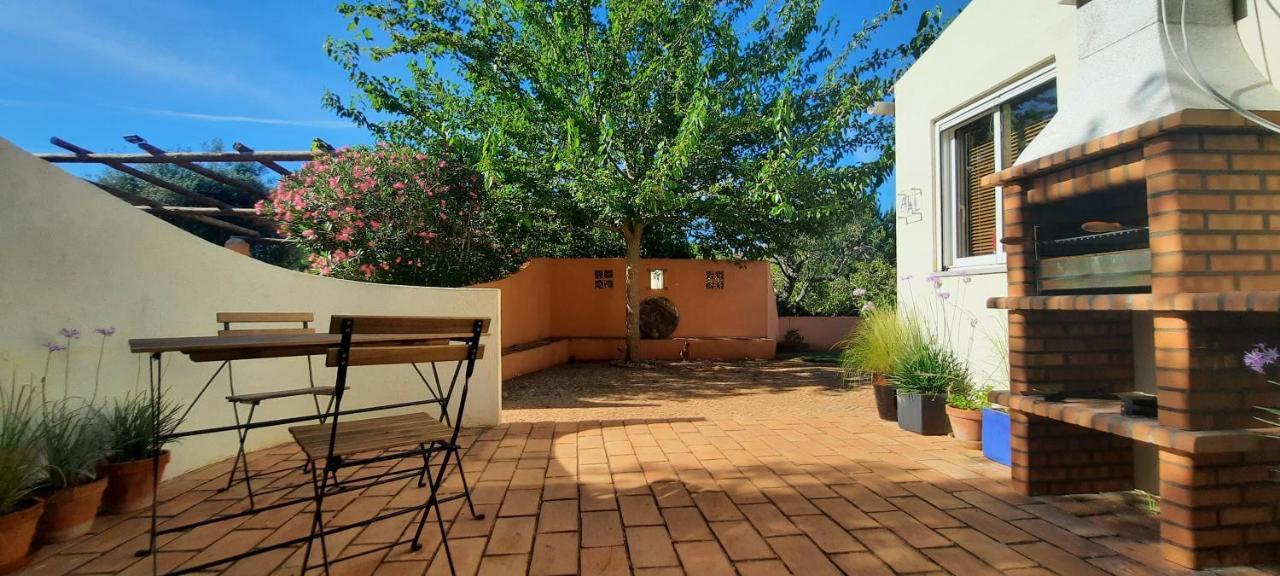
[251,173]
[838,269]
[715,120]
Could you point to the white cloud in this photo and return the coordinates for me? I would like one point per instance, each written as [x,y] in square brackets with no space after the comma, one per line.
[241,119]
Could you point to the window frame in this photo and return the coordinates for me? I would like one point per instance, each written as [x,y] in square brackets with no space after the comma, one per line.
[948,159]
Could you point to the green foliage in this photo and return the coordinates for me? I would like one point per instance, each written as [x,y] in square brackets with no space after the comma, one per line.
[129,424]
[724,123]
[20,468]
[392,215]
[969,398]
[74,440]
[930,369]
[879,341]
[839,268]
[251,173]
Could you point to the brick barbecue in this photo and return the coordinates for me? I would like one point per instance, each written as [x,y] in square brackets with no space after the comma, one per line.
[1207,186]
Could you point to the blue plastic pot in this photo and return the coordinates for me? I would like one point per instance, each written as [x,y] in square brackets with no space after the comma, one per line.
[995,436]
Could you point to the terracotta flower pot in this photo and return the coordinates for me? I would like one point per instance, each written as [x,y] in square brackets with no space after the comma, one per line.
[966,425]
[886,398]
[17,530]
[69,512]
[129,484]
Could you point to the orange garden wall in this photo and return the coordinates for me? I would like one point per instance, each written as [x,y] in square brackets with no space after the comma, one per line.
[821,333]
[552,310]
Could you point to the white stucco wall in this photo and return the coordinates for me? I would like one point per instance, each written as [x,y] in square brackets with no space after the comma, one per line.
[991,44]
[74,256]
[1259,29]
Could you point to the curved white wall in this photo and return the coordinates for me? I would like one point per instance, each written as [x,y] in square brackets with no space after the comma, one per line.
[72,255]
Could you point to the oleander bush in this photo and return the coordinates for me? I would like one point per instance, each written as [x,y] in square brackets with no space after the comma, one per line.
[392,215]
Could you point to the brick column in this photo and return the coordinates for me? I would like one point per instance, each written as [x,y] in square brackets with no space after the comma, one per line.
[1214,213]
[1219,509]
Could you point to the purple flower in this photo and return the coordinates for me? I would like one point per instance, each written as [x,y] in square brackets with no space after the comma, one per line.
[943,295]
[933,279]
[869,306]
[108,331]
[52,347]
[69,333]
[1261,357]
[859,291]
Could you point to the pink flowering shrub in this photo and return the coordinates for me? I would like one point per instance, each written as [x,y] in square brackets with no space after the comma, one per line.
[391,215]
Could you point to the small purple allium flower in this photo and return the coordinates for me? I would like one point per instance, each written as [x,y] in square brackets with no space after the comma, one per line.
[53,347]
[1261,357]
[859,291]
[933,279]
[69,333]
[943,295]
[108,331]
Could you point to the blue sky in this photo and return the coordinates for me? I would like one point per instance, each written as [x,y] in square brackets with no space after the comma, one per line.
[182,72]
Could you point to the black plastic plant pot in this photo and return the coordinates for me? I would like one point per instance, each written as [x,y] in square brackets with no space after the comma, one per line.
[886,402]
[924,415]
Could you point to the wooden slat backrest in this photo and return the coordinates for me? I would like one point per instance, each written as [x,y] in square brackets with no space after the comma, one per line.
[265,331]
[408,325]
[374,355]
[229,318]
[265,317]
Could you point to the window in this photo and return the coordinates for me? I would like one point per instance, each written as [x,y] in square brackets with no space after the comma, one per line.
[980,140]
[715,280]
[604,279]
[657,279]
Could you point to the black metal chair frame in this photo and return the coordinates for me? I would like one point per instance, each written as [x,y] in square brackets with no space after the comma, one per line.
[325,481]
[241,459]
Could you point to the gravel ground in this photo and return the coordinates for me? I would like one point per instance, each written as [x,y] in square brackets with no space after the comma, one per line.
[752,389]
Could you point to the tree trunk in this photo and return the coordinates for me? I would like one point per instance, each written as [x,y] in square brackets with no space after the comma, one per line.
[632,233]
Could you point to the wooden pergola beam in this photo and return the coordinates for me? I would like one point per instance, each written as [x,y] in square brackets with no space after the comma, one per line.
[181,191]
[237,212]
[198,169]
[158,208]
[267,155]
[270,164]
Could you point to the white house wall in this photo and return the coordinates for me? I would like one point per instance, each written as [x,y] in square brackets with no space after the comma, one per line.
[989,45]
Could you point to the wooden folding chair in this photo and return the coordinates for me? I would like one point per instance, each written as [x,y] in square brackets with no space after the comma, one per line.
[346,442]
[253,400]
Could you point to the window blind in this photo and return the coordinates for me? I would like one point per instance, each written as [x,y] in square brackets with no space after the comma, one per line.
[978,156]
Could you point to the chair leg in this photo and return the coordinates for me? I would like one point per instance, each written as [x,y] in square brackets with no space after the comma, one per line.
[466,488]
[426,463]
[444,537]
[432,499]
[317,522]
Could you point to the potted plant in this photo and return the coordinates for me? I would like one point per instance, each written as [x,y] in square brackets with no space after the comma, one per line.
[129,468]
[74,444]
[19,473]
[964,411]
[924,377]
[73,439]
[874,346]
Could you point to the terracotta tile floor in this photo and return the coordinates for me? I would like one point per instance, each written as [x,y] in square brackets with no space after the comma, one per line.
[809,496]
